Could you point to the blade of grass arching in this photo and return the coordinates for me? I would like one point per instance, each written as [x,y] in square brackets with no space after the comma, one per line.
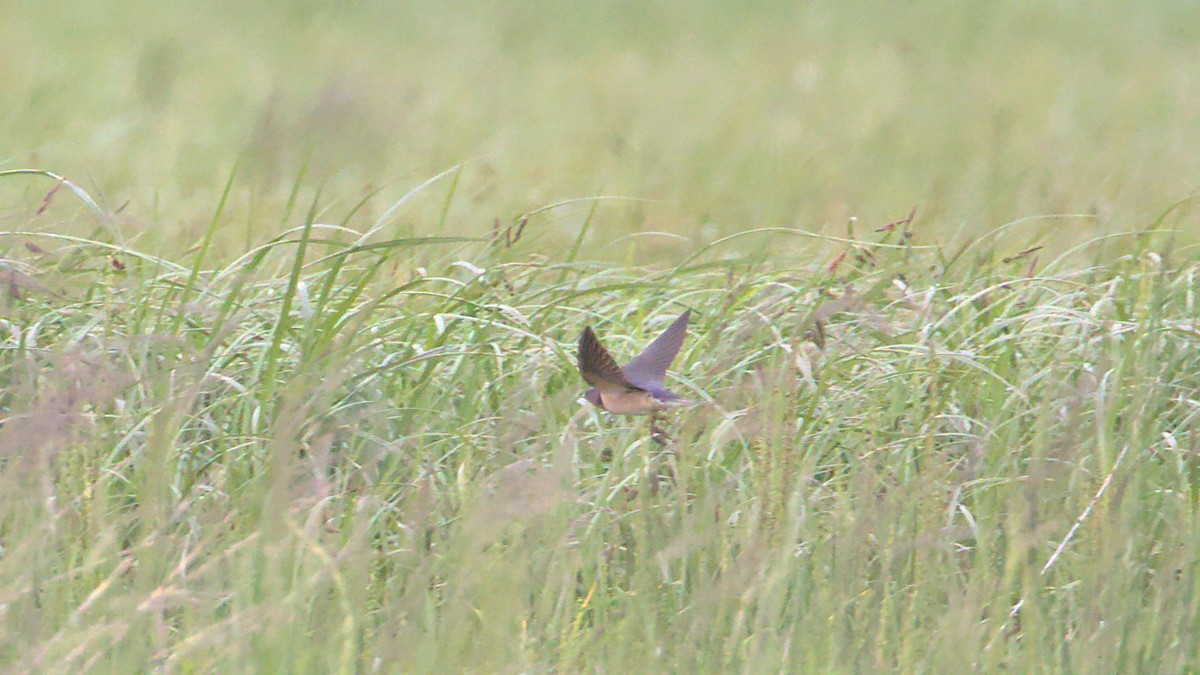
[269,367]
[577,245]
[209,234]
[1136,235]
[295,192]
[331,277]
[631,241]
[795,232]
[101,214]
[1156,224]
[382,220]
[114,248]
[255,253]
[393,243]
[568,296]
[449,198]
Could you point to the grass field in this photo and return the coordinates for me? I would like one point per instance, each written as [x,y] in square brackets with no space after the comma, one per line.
[291,293]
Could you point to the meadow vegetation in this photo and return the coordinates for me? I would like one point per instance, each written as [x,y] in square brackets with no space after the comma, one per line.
[290,293]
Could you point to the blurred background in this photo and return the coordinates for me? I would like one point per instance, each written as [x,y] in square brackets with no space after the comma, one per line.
[716,117]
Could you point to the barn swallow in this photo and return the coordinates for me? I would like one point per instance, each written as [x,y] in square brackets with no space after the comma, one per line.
[637,388]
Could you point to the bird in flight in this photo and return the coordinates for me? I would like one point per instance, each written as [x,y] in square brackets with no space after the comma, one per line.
[636,388]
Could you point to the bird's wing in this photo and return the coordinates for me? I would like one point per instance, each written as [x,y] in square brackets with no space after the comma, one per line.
[598,366]
[650,367]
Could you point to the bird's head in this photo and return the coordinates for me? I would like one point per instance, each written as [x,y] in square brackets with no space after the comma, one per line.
[593,396]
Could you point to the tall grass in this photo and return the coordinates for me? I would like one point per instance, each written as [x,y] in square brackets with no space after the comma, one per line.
[341,454]
[289,296]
